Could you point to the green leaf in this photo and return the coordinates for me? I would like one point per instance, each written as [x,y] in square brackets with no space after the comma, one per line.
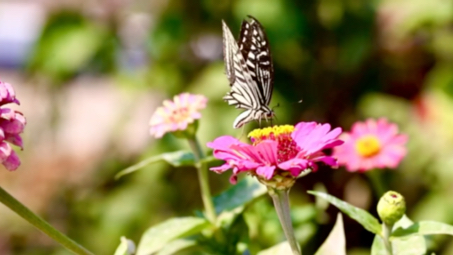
[409,246]
[240,194]
[335,244]
[237,231]
[179,158]
[365,219]
[415,244]
[424,228]
[176,159]
[126,247]
[176,246]
[155,238]
[279,249]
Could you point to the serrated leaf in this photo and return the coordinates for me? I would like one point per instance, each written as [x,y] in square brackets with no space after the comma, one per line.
[240,194]
[155,238]
[279,249]
[126,247]
[363,217]
[176,159]
[335,244]
[424,228]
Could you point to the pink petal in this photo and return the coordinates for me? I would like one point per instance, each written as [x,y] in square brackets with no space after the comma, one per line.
[266,171]
[12,162]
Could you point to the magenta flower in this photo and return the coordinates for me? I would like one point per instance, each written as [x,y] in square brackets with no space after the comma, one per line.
[371,144]
[12,123]
[176,115]
[277,150]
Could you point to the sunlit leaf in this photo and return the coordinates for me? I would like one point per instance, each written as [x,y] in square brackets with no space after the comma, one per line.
[176,245]
[378,246]
[126,247]
[424,228]
[176,159]
[240,194]
[279,249]
[155,238]
[335,244]
[414,244]
[363,217]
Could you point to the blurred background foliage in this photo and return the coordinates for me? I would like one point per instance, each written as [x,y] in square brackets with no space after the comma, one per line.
[90,73]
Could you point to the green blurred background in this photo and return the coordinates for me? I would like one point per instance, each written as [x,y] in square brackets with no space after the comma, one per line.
[89,74]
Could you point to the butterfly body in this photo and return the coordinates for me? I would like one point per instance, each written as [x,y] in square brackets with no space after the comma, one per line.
[248,66]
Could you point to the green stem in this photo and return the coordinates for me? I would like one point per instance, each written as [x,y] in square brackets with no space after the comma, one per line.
[377,183]
[41,224]
[281,203]
[203,179]
[386,231]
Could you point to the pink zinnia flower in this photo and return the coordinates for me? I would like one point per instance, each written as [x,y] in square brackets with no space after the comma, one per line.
[176,115]
[277,150]
[12,123]
[371,144]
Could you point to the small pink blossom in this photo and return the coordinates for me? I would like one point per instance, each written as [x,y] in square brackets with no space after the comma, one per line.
[12,124]
[176,115]
[371,144]
[276,150]
[7,94]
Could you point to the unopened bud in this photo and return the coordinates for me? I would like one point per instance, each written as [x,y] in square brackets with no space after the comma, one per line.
[391,207]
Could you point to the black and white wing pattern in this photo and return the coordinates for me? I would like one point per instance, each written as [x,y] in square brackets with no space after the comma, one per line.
[248,66]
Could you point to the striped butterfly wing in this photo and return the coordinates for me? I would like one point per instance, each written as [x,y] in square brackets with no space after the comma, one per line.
[244,90]
[254,46]
[249,70]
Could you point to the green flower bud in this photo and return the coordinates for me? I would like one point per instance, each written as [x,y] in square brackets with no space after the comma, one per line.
[391,207]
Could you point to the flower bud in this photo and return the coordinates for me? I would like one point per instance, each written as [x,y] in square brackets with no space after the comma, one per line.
[391,207]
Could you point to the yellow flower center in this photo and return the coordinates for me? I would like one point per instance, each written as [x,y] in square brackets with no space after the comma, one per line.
[287,147]
[368,146]
[179,115]
[260,134]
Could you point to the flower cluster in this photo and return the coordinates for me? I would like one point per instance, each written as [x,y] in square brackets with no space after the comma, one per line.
[371,144]
[176,115]
[278,150]
[12,123]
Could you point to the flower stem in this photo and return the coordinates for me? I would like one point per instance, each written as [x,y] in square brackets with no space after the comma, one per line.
[386,231]
[281,203]
[41,224]
[377,183]
[203,178]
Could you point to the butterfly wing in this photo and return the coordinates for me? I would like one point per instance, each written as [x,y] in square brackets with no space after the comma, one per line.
[249,71]
[244,90]
[254,46]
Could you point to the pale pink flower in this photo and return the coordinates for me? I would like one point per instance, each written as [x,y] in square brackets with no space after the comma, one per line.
[12,124]
[371,144]
[276,150]
[176,115]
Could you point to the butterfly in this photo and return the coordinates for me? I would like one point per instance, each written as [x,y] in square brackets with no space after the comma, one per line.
[248,66]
